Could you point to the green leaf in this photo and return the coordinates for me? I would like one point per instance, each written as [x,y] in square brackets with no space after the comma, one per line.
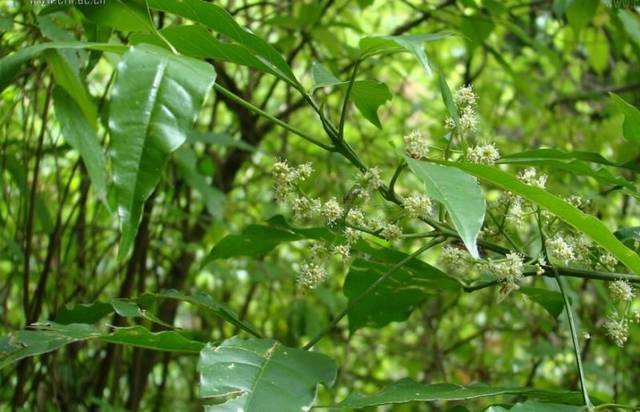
[258,240]
[597,46]
[368,96]
[407,390]
[587,224]
[631,125]
[206,301]
[550,300]
[51,336]
[220,139]
[82,137]
[141,337]
[218,19]
[155,100]
[580,12]
[533,406]
[261,375]
[127,17]
[213,198]
[196,41]
[459,193]
[447,98]
[394,299]
[11,65]
[631,24]
[322,77]
[84,313]
[476,29]
[66,78]
[630,236]
[572,163]
[412,43]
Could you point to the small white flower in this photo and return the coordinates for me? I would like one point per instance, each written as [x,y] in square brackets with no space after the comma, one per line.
[617,328]
[484,154]
[352,236]
[449,123]
[311,275]
[343,250]
[530,176]
[372,179]
[621,290]
[355,217]
[390,231]
[416,145]
[304,208]
[560,249]
[609,261]
[539,269]
[465,96]
[417,206]
[455,260]
[586,335]
[331,210]
[468,119]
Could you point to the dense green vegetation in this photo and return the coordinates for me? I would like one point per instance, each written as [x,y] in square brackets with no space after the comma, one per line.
[277,205]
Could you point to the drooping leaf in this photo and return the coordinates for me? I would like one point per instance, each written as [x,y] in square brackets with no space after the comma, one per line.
[476,29]
[322,77]
[206,301]
[155,100]
[84,313]
[459,193]
[368,96]
[550,300]
[394,299]
[170,341]
[587,224]
[70,81]
[218,19]
[407,390]
[631,125]
[78,132]
[261,375]
[412,43]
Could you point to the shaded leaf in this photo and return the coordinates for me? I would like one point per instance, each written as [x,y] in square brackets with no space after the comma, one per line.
[155,100]
[213,198]
[368,96]
[631,125]
[550,300]
[82,137]
[261,375]
[394,299]
[459,193]
[407,390]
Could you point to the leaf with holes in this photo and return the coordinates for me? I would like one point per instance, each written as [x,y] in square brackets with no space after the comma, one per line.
[261,375]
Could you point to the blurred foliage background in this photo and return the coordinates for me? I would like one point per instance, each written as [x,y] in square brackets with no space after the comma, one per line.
[543,71]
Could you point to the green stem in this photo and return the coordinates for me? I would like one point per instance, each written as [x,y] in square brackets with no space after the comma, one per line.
[569,310]
[274,119]
[352,303]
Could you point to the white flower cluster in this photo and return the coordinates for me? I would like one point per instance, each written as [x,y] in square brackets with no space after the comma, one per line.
[621,291]
[483,154]
[456,261]
[311,275]
[390,231]
[331,211]
[508,272]
[561,249]
[530,177]
[417,206]
[617,328]
[286,177]
[416,145]
[466,101]
[608,261]
[372,179]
